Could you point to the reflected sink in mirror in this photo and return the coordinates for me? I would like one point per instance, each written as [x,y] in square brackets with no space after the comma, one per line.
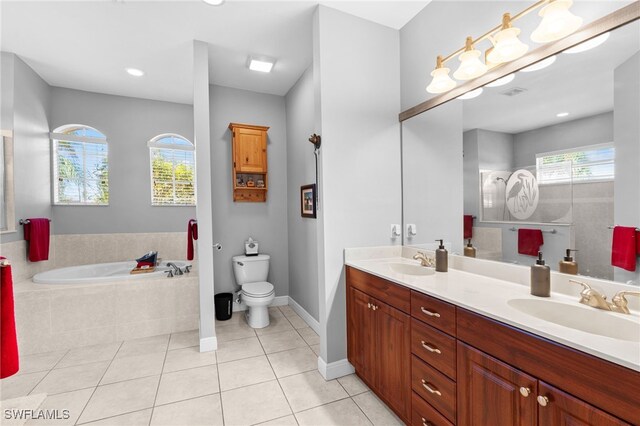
[407,269]
[589,320]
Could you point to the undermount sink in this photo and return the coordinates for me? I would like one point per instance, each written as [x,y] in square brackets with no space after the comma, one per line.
[408,269]
[577,317]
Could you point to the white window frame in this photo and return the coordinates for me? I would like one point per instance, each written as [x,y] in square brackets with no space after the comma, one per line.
[56,136]
[155,144]
[577,149]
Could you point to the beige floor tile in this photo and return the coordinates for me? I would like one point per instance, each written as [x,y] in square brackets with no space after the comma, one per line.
[296,321]
[238,349]
[182,359]
[29,402]
[137,418]
[19,385]
[254,404]
[89,354]
[376,410]
[316,349]
[120,398]
[72,378]
[275,312]
[74,402]
[287,310]
[308,390]
[245,372]
[353,385]
[144,346]
[186,384]
[339,413]
[276,325]
[134,367]
[234,332]
[294,361]
[206,410]
[39,362]
[278,342]
[309,336]
[236,319]
[186,339]
[282,421]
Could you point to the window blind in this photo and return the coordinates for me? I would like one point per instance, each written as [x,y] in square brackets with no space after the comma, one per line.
[172,176]
[588,164]
[81,172]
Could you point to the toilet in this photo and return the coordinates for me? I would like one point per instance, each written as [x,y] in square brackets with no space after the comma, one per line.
[251,275]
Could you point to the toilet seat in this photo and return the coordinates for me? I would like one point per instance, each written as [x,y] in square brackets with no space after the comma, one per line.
[258,289]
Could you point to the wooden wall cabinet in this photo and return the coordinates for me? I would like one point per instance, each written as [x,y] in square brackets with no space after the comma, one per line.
[249,155]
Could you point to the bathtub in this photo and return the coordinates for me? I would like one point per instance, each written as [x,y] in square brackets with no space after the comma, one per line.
[101,272]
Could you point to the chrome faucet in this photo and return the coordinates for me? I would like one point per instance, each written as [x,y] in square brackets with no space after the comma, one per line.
[595,299]
[176,269]
[424,259]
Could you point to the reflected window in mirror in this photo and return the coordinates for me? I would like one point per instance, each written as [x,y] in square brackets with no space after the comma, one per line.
[7,208]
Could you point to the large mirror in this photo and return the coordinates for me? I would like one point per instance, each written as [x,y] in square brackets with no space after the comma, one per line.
[7,209]
[552,150]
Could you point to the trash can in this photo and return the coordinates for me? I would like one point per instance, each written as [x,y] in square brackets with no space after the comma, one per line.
[223,303]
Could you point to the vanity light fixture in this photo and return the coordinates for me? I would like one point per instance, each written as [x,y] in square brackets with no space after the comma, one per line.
[472,94]
[214,2]
[441,81]
[261,65]
[134,72]
[562,114]
[470,64]
[540,65]
[589,44]
[557,22]
[506,44]
[502,81]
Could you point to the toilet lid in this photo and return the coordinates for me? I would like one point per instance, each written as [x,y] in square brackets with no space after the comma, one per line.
[260,288]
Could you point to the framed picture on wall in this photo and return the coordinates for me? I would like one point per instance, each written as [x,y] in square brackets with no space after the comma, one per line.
[308,200]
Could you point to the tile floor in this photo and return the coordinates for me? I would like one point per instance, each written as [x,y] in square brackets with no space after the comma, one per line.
[267,376]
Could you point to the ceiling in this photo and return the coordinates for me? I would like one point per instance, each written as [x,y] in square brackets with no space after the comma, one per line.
[87,44]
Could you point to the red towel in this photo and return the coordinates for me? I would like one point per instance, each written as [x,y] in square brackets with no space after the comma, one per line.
[36,231]
[9,360]
[624,248]
[638,243]
[192,234]
[468,226]
[529,241]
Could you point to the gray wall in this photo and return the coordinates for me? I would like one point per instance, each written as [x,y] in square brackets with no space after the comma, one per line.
[128,123]
[627,139]
[303,238]
[234,222]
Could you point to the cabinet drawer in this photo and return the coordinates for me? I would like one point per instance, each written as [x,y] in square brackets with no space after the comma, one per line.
[422,414]
[434,347]
[386,291]
[434,387]
[436,313]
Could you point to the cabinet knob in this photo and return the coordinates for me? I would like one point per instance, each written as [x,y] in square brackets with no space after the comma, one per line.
[425,422]
[428,312]
[543,400]
[369,305]
[434,350]
[375,307]
[525,391]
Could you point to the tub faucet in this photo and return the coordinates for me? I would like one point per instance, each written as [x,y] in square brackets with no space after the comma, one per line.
[176,269]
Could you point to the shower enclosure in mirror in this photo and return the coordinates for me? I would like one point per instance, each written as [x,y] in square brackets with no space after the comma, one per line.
[553,147]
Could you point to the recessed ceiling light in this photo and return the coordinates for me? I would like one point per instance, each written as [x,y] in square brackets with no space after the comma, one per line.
[472,94]
[589,44]
[562,114]
[540,65]
[135,72]
[261,65]
[502,81]
[214,2]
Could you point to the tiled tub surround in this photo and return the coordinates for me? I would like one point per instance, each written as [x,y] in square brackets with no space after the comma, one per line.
[85,249]
[485,287]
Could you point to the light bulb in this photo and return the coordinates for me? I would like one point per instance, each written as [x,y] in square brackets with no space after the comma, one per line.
[507,46]
[557,22]
[441,81]
[470,64]
[214,2]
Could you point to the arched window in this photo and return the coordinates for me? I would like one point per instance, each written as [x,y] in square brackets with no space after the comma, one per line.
[80,166]
[173,171]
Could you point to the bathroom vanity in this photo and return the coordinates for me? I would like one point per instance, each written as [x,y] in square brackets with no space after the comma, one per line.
[443,362]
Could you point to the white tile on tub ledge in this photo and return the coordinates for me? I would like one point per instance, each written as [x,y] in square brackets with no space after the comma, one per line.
[206,410]
[137,418]
[133,367]
[88,307]
[73,401]
[74,250]
[89,354]
[343,412]
[72,378]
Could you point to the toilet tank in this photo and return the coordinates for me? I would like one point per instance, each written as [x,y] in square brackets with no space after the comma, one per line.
[250,269]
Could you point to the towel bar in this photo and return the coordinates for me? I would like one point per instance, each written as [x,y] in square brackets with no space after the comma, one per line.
[25,221]
[551,231]
[613,226]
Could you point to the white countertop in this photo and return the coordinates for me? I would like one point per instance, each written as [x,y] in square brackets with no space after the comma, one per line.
[489,297]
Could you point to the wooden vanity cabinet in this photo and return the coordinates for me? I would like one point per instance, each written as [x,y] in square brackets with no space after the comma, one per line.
[249,155]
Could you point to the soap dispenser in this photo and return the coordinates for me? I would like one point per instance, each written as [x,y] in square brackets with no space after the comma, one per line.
[442,258]
[540,278]
[568,265]
[469,250]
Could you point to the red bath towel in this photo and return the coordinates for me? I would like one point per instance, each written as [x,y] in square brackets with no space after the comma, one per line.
[9,360]
[36,232]
[529,241]
[192,234]
[624,248]
[468,226]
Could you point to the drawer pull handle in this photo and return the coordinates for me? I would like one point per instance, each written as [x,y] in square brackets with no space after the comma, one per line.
[428,312]
[543,400]
[426,423]
[431,348]
[375,307]
[525,391]
[428,387]
[369,305]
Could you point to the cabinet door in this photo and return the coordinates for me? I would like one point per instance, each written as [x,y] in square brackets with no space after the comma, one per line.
[250,150]
[361,334]
[491,392]
[393,353]
[561,409]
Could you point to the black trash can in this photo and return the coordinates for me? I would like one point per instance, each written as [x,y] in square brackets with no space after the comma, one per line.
[224,304]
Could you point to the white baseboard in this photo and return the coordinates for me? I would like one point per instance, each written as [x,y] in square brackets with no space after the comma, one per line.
[306,316]
[336,369]
[278,301]
[208,344]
